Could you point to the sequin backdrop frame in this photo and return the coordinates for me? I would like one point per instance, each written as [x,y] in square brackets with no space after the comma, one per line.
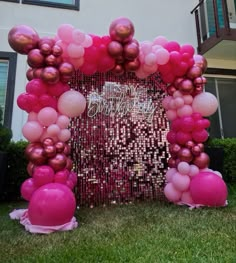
[119,159]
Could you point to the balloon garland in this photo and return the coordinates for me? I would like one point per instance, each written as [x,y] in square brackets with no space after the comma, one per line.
[50,103]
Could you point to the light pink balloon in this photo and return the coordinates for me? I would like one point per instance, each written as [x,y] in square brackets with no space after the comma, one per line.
[160,40]
[179,102]
[47,116]
[75,51]
[171,115]
[177,94]
[33,116]
[181,182]
[64,135]
[162,56]
[71,103]
[186,198]
[78,36]
[150,59]
[194,170]
[186,110]
[205,103]
[171,193]
[150,69]
[170,173]
[183,168]
[63,121]
[166,101]
[32,131]
[64,32]
[88,41]
[53,130]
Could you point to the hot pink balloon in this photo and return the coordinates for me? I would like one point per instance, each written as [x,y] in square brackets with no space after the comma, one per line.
[28,187]
[43,174]
[208,189]
[52,205]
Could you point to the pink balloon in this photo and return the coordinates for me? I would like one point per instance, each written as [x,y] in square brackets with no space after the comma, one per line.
[64,32]
[47,116]
[187,48]
[187,124]
[171,115]
[64,135]
[78,36]
[32,131]
[42,175]
[61,176]
[75,51]
[170,173]
[171,137]
[183,168]
[208,189]
[160,40]
[73,177]
[52,205]
[179,102]
[186,110]
[200,135]
[36,87]
[28,187]
[205,103]
[88,41]
[53,130]
[172,46]
[58,88]
[71,103]
[27,101]
[188,99]
[183,137]
[171,193]
[166,101]
[63,121]
[46,100]
[194,170]
[180,182]
[33,116]
[186,198]
[162,56]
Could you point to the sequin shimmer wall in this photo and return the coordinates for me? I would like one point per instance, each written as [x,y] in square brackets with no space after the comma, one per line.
[119,145]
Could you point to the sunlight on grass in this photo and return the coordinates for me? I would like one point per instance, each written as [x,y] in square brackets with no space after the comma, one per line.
[144,232]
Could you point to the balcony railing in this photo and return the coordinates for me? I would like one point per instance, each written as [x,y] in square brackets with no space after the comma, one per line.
[212,24]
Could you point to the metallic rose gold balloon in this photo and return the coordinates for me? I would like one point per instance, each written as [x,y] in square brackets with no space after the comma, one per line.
[131,51]
[202,146]
[30,168]
[46,40]
[36,156]
[196,150]
[67,149]
[120,60]
[177,81]
[189,144]
[172,162]
[69,164]
[60,146]
[57,51]
[51,60]
[118,70]
[201,62]
[22,39]
[37,73]
[35,59]
[174,149]
[66,69]
[122,30]
[49,151]
[30,147]
[48,142]
[186,86]
[50,75]
[198,89]
[185,155]
[30,74]
[132,65]
[58,162]
[45,49]
[115,49]
[170,90]
[194,72]
[202,161]
[198,81]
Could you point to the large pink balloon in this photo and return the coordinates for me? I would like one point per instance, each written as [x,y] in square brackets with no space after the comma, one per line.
[205,103]
[207,188]
[71,103]
[51,205]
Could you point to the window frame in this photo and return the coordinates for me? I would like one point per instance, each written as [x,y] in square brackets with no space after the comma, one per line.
[11,57]
[48,3]
[12,1]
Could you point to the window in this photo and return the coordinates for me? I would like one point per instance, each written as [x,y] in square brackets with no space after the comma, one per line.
[67,4]
[7,84]
[222,122]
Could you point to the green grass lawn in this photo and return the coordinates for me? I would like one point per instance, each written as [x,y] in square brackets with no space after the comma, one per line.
[139,233]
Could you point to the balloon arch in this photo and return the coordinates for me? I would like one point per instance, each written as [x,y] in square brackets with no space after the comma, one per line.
[51,103]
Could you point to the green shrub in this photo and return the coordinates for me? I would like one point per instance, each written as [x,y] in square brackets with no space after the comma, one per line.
[17,170]
[229,163]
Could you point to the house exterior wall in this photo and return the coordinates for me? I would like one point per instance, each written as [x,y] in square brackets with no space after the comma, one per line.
[151,18]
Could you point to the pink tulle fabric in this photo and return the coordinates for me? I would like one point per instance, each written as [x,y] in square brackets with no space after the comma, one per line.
[22,215]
